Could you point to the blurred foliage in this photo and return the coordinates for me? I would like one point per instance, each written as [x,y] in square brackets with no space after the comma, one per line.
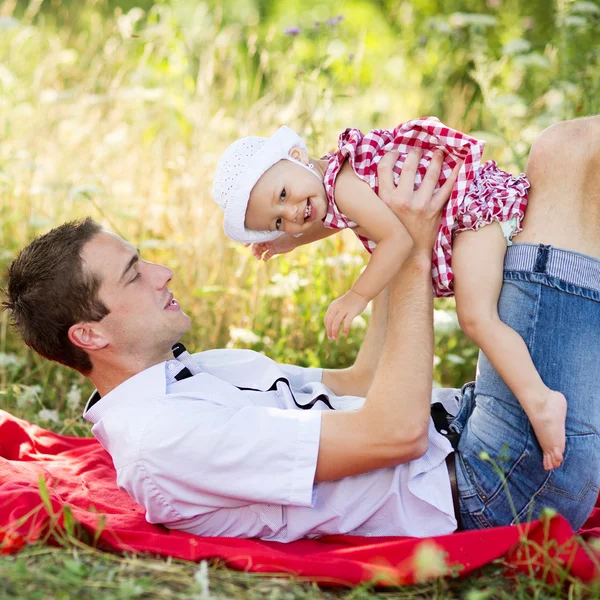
[121,110]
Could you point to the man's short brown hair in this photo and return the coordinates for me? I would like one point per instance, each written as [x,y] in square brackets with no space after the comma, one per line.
[48,291]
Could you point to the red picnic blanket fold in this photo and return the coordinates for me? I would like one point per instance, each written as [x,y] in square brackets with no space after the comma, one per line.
[78,473]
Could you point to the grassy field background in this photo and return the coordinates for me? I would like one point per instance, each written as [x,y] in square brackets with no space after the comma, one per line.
[120,110]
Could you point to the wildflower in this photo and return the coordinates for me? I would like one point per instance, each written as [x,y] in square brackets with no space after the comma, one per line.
[10,360]
[293,31]
[344,259]
[429,561]
[8,23]
[47,414]
[358,323]
[74,397]
[528,23]
[29,395]
[445,321]
[237,334]
[201,578]
[548,513]
[285,285]
[335,20]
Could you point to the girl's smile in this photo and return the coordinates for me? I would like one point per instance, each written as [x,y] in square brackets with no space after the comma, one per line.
[287,198]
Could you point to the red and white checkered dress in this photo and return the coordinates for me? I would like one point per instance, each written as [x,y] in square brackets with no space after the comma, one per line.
[481,194]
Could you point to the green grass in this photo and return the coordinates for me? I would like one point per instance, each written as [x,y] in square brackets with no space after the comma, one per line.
[122,113]
[41,572]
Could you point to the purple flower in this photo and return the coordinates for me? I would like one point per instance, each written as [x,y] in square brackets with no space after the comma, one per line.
[293,31]
[528,23]
[335,20]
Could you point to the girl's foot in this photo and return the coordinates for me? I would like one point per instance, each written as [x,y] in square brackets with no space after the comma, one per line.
[548,422]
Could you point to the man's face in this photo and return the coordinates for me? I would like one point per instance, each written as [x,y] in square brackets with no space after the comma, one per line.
[144,319]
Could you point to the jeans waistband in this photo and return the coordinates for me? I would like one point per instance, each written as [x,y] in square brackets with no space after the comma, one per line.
[570,267]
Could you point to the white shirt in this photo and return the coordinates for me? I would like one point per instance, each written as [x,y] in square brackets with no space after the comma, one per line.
[206,457]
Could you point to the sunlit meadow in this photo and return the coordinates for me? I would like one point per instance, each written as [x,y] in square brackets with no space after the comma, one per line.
[120,110]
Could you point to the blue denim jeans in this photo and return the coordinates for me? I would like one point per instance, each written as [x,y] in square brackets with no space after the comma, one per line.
[551,297]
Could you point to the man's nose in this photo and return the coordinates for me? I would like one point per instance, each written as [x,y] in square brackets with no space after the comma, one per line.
[161,275]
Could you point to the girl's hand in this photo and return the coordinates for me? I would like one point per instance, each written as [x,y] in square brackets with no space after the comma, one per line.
[344,309]
[266,250]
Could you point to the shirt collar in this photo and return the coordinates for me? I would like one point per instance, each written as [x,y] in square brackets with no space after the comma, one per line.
[151,381]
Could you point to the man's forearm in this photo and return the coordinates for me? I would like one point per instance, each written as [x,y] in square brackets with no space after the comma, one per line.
[356,380]
[399,396]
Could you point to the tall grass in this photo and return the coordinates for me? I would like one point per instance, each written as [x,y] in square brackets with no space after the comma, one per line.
[123,115]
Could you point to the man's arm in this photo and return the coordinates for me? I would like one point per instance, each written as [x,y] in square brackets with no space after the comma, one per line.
[356,380]
[393,424]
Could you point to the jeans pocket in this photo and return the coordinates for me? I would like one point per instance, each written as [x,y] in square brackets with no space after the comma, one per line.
[573,488]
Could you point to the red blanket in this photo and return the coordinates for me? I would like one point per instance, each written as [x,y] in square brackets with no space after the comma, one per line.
[78,473]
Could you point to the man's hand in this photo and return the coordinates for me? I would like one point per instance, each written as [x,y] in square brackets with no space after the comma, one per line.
[344,309]
[420,211]
[266,250]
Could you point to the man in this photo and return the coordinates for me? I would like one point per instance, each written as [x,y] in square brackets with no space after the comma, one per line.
[229,443]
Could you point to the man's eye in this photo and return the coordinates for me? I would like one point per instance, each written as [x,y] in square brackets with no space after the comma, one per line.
[278,223]
[137,276]
[282,195]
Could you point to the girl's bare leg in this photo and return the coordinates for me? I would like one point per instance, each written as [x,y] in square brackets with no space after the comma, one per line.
[477,262]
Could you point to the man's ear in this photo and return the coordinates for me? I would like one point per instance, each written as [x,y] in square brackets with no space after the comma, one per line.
[87,336]
[299,154]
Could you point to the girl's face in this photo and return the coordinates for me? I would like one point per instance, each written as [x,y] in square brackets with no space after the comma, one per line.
[286,198]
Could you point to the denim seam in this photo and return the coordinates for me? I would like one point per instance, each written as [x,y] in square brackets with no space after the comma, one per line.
[548,487]
[501,487]
[579,497]
[506,483]
[532,500]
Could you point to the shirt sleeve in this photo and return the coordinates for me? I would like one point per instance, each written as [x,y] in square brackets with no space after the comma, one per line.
[215,456]
[300,376]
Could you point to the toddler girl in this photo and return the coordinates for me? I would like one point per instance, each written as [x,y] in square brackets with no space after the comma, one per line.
[276,198]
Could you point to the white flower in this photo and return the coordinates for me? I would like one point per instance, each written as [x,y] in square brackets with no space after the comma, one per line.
[358,323]
[445,321]
[10,360]
[285,285]
[74,397]
[47,414]
[237,334]
[29,395]
[344,259]
[201,578]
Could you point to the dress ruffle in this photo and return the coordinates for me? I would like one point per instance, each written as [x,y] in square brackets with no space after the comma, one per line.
[494,195]
[481,194]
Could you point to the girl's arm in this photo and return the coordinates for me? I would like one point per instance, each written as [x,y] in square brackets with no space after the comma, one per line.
[287,242]
[375,220]
[356,380]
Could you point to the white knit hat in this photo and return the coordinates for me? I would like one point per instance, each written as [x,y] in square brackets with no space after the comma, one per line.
[240,167]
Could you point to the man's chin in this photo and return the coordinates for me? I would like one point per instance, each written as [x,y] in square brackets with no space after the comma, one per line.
[186,324]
